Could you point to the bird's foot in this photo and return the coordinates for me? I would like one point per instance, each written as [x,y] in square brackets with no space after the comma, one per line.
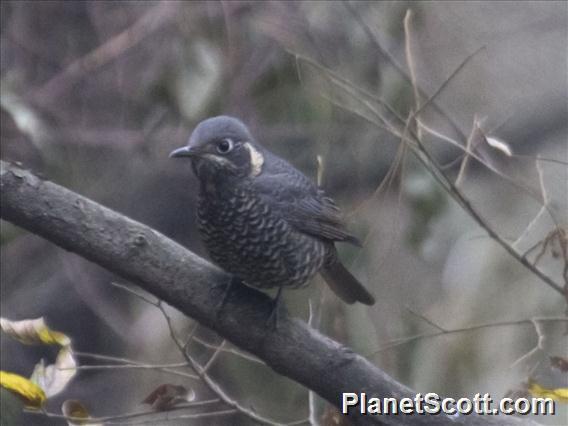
[226,294]
[272,320]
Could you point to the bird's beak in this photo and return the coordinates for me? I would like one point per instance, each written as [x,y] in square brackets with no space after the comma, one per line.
[184,151]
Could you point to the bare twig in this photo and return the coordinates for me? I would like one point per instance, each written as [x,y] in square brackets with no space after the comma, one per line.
[355,91]
[202,371]
[217,390]
[456,193]
[453,190]
[542,210]
[448,80]
[365,99]
[126,416]
[397,168]
[233,351]
[475,156]
[468,151]
[434,168]
[320,170]
[136,293]
[424,156]
[214,356]
[127,366]
[395,173]
[425,319]
[543,159]
[411,65]
[129,363]
[375,41]
[539,344]
[208,414]
[410,339]
[558,235]
[307,421]
[432,165]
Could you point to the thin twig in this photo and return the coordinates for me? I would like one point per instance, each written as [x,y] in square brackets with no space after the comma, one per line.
[182,417]
[542,210]
[135,414]
[475,156]
[300,422]
[396,168]
[352,89]
[543,159]
[202,372]
[135,293]
[425,319]
[456,193]
[389,129]
[410,339]
[355,93]
[411,65]
[228,350]
[425,158]
[375,41]
[127,366]
[130,362]
[169,322]
[449,79]
[190,336]
[468,151]
[214,356]
[434,168]
[217,390]
[539,344]
[476,127]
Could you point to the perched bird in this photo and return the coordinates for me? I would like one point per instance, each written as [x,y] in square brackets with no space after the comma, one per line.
[260,218]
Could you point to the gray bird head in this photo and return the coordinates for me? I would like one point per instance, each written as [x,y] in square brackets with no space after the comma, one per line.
[222,145]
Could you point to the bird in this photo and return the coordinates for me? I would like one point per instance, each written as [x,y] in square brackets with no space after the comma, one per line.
[261,219]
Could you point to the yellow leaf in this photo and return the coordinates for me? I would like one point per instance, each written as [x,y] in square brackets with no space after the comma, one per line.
[32,395]
[33,331]
[557,394]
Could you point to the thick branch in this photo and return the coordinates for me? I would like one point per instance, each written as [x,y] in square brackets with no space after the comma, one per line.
[192,285]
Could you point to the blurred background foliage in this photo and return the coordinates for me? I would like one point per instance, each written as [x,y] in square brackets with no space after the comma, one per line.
[95,95]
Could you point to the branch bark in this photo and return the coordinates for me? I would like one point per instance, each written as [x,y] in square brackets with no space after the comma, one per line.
[193,285]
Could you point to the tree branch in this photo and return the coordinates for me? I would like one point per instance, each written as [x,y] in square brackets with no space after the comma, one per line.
[193,285]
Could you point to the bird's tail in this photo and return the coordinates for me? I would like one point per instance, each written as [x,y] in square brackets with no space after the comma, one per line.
[345,285]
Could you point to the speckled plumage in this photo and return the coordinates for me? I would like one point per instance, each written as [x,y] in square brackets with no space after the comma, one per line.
[260,218]
[247,238]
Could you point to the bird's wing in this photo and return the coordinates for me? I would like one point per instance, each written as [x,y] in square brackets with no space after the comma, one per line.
[298,201]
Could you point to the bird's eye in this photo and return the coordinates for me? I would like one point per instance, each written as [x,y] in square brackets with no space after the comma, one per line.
[225,146]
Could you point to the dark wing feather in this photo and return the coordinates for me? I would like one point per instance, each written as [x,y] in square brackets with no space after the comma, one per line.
[297,200]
